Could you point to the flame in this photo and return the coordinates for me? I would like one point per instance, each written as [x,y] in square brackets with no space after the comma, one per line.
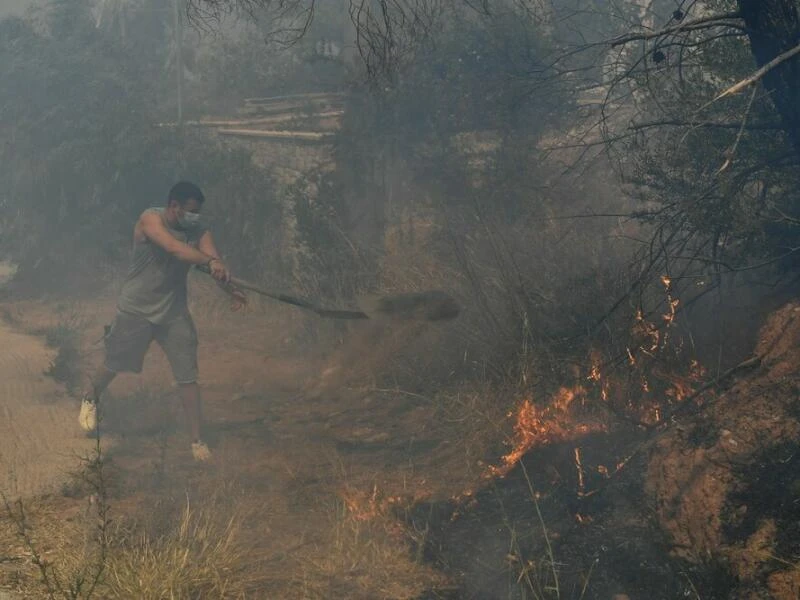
[364,505]
[603,470]
[651,415]
[680,390]
[672,303]
[696,371]
[538,426]
[647,331]
[631,357]
[672,307]
[654,383]
[596,376]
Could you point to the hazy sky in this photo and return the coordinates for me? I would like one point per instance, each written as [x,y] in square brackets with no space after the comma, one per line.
[13,6]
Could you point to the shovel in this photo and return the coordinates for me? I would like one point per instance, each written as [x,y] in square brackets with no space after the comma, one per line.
[427,306]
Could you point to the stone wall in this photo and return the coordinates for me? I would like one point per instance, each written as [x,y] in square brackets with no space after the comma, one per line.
[289,159]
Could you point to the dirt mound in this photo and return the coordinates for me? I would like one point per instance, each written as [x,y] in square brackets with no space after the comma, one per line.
[726,482]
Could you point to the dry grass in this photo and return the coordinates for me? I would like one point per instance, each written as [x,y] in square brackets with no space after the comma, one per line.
[327,550]
[201,558]
[363,556]
[61,534]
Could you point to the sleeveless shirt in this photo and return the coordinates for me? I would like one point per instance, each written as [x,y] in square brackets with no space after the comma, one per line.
[155,287]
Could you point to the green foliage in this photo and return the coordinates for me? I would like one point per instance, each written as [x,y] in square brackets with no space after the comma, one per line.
[73,117]
[82,156]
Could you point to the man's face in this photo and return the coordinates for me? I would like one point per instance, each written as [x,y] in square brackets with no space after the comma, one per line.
[184,217]
[190,207]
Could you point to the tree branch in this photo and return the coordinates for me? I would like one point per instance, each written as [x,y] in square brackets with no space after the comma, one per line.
[755,77]
[704,124]
[723,20]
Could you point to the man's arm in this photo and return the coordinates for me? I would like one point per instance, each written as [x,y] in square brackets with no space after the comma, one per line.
[206,245]
[152,227]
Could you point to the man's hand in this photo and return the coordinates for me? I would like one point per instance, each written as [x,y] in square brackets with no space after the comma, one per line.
[219,271]
[238,297]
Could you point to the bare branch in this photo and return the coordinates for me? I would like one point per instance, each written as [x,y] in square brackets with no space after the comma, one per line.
[290,19]
[724,20]
[732,152]
[388,31]
[755,77]
[704,125]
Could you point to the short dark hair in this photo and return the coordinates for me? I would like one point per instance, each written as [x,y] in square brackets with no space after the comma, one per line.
[183,191]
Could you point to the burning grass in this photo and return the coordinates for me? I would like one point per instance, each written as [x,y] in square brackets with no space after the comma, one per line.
[541,425]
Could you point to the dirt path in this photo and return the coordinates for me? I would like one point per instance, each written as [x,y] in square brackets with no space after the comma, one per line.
[315,480]
[40,441]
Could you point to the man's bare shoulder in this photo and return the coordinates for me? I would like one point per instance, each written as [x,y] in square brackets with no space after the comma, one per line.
[151,213]
[149,220]
[150,217]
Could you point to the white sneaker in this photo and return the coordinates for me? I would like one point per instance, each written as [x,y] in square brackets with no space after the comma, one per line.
[200,451]
[88,415]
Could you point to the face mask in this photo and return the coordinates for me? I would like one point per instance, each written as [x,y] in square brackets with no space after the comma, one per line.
[189,220]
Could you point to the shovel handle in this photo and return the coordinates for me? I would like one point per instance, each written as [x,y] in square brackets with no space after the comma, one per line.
[293,300]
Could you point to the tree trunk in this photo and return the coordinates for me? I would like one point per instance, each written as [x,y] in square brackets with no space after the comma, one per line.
[773,27]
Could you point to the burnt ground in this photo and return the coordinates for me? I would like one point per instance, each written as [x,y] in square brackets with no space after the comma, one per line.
[363,491]
[605,544]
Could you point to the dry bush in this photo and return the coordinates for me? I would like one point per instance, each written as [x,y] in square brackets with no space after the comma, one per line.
[203,557]
[55,535]
[529,302]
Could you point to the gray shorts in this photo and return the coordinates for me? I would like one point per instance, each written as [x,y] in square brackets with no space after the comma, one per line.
[130,336]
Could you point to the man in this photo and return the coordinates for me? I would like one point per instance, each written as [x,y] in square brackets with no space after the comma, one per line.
[153,304]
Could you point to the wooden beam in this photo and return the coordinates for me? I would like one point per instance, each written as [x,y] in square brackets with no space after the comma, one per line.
[300,136]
